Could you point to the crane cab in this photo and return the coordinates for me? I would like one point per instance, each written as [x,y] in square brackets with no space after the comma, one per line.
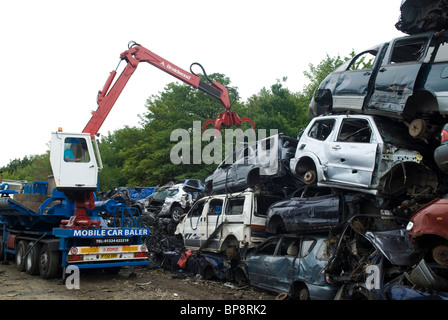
[73,161]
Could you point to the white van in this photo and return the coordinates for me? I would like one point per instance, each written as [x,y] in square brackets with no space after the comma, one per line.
[219,222]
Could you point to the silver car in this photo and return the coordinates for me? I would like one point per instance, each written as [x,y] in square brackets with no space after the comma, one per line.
[179,199]
[363,153]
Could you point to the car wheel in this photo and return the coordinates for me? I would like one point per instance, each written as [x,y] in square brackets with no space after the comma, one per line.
[176,213]
[440,255]
[417,128]
[309,177]
[304,294]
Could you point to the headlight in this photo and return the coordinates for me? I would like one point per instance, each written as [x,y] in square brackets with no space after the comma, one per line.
[409,226]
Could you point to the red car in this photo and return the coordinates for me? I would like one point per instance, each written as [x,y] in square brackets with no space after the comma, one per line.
[428,227]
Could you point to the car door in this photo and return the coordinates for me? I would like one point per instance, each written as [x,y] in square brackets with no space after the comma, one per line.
[259,263]
[244,162]
[281,265]
[351,155]
[397,74]
[353,83]
[214,219]
[194,232]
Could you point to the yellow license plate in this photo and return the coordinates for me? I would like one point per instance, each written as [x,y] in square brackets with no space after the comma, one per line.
[109,256]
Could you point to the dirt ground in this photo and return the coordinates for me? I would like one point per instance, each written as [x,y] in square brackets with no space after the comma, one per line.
[138,283]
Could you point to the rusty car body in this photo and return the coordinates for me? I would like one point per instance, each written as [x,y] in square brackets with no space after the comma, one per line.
[428,228]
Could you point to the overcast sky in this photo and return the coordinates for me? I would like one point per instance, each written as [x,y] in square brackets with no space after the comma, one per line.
[56,55]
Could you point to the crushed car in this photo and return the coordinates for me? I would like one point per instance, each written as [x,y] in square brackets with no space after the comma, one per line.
[403,79]
[178,200]
[155,201]
[370,154]
[428,230]
[317,211]
[371,252]
[226,222]
[418,16]
[291,265]
[263,165]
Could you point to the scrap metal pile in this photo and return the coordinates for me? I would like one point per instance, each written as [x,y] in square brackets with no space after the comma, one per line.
[355,207]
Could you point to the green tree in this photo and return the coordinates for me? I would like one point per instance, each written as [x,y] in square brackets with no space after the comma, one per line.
[316,74]
[30,168]
[279,108]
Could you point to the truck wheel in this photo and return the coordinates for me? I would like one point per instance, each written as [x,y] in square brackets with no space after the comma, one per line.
[48,262]
[20,255]
[176,213]
[32,258]
[2,248]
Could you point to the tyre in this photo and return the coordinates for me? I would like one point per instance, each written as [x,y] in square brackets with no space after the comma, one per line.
[176,213]
[303,294]
[48,262]
[2,248]
[32,258]
[20,255]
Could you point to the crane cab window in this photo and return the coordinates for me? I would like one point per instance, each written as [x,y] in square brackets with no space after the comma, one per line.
[75,150]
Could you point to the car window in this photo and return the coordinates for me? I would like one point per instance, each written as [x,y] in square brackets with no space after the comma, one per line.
[321,129]
[307,246]
[355,130]
[196,211]
[172,192]
[263,203]
[439,47]
[289,247]
[215,207]
[235,206]
[268,248]
[363,61]
[323,252]
[193,183]
[408,49]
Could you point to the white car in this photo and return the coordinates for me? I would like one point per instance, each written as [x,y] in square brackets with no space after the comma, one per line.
[226,221]
[179,199]
[363,153]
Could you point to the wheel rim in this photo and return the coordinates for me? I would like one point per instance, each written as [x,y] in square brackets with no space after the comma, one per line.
[440,255]
[309,177]
[176,214]
[304,294]
[19,256]
[43,260]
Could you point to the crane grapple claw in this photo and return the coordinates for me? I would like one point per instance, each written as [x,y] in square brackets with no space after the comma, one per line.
[228,119]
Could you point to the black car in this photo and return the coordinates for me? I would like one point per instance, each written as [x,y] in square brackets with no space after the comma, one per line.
[405,78]
[263,165]
[312,209]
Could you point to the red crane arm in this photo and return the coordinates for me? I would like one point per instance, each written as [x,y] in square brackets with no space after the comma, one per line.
[136,54]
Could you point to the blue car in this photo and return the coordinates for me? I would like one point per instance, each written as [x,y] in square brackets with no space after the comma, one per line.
[292,266]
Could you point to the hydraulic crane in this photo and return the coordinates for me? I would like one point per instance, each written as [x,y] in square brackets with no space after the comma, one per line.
[78,178]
